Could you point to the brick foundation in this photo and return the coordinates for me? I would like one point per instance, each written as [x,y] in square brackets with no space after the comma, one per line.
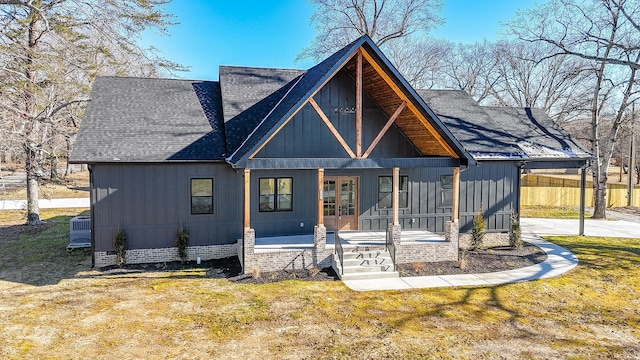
[158,255]
[490,240]
[273,260]
[410,252]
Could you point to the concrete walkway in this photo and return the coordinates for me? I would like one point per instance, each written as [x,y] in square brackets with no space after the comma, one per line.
[559,260]
[46,203]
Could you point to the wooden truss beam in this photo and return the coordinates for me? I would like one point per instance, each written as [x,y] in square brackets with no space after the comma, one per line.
[359,105]
[333,130]
[299,107]
[396,194]
[384,130]
[320,196]
[411,106]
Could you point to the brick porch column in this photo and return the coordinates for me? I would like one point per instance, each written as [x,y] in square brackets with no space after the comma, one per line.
[320,237]
[394,232]
[248,245]
[451,234]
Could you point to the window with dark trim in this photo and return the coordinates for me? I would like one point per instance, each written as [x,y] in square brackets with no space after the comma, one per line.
[201,196]
[446,191]
[385,192]
[276,194]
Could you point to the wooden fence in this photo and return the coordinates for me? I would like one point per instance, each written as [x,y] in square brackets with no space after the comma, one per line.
[552,191]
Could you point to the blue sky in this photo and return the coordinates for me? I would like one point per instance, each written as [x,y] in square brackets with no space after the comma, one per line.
[272,33]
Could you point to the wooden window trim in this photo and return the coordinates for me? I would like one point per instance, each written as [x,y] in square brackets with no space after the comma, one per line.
[275,194]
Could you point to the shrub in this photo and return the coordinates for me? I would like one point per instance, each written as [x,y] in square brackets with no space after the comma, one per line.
[418,266]
[462,263]
[313,271]
[515,233]
[182,241]
[478,231]
[120,245]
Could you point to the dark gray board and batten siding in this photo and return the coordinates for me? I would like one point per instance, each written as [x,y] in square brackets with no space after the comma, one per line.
[494,186]
[306,135]
[148,201]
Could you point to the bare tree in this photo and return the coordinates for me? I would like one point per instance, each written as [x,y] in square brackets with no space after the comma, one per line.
[50,51]
[421,61]
[339,22]
[472,68]
[606,33]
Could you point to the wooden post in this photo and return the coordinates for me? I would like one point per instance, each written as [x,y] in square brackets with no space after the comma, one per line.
[320,196]
[247,198]
[332,129]
[396,191]
[359,105]
[384,130]
[455,207]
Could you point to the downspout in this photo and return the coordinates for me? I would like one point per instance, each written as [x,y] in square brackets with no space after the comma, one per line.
[92,217]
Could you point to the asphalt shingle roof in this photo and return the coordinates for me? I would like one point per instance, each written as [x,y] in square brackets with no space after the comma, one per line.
[248,95]
[501,132]
[296,92]
[156,120]
[151,120]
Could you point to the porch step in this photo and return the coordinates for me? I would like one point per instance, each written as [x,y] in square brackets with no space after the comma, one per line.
[364,265]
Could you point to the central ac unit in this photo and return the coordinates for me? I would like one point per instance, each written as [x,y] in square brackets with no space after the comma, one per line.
[80,232]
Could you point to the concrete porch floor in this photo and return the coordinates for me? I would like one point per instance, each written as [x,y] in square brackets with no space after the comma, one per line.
[347,238]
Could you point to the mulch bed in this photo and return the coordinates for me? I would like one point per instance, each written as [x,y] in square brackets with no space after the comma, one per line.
[476,261]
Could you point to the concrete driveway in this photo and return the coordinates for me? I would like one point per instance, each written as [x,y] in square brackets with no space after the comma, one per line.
[612,228]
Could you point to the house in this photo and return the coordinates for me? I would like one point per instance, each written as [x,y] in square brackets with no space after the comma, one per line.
[344,147]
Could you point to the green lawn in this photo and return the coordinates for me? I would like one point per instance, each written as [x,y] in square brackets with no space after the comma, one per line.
[552,212]
[60,308]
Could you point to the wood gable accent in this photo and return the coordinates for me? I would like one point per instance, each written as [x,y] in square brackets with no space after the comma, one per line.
[418,129]
[370,77]
[332,129]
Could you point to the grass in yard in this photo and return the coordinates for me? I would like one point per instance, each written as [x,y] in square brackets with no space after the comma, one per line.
[552,212]
[591,312]
[75,185]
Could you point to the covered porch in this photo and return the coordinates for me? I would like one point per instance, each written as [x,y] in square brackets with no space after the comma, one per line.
[348,239]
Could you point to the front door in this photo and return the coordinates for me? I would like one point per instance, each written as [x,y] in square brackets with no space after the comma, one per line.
[341,203]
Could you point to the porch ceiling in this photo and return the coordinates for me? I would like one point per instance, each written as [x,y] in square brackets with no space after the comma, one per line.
[426,141]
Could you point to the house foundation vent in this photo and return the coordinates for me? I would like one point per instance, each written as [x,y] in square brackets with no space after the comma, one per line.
[80,232]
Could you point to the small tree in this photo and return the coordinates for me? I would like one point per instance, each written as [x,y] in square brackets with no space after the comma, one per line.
[515,233]
[120,245]
[478,231]
[182,241]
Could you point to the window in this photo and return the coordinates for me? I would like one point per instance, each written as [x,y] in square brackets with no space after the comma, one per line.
[276,194]
[446,191]
[201,196]
[385,192]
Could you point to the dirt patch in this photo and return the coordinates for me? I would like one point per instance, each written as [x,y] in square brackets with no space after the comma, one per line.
[631,210]
[11,232]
